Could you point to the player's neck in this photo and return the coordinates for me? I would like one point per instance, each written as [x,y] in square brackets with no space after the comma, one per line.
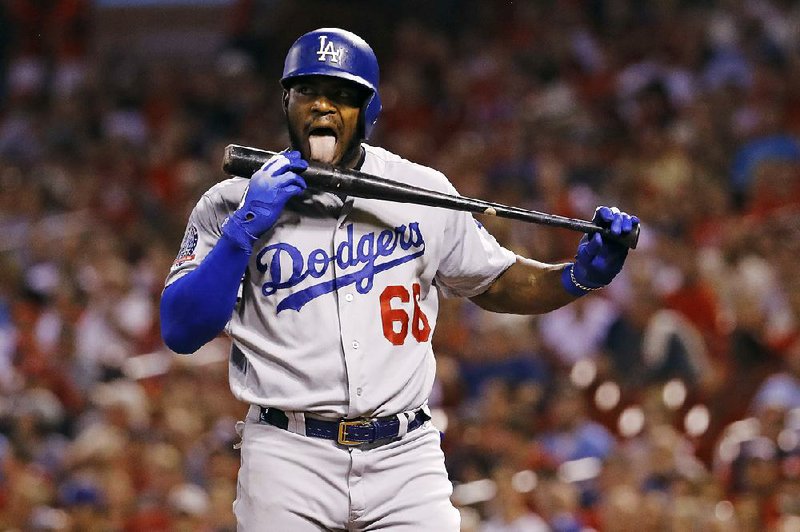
[356,160]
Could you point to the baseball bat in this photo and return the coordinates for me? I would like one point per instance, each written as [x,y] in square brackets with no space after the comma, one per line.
[243,161]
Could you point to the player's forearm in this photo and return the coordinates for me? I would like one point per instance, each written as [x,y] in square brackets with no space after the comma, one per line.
[196,307]
[527,287]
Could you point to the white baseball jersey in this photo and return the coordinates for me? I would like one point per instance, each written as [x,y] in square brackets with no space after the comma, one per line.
[339,301]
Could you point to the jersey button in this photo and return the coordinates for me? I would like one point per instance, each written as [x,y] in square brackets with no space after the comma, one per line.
[358,391]
[348,297]
[355,344]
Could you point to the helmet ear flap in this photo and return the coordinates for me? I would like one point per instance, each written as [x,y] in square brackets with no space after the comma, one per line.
[370,114]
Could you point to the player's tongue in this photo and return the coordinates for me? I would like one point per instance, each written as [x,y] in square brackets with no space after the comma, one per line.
[322,147]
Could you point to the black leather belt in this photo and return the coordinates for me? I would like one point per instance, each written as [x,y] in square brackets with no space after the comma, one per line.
[348,431]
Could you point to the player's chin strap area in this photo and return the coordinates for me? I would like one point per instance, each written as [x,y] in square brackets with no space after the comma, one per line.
[346,431]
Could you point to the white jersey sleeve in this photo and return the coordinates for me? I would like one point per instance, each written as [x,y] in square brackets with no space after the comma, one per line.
[204,227]
[472,259]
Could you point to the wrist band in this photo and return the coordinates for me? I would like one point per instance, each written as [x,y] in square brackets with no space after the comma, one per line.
[579,285]
[572,286]
[233,229]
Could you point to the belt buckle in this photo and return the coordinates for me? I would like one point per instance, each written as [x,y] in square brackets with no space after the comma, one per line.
[342,439]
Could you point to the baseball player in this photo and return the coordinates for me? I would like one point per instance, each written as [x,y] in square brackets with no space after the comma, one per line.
[331,302]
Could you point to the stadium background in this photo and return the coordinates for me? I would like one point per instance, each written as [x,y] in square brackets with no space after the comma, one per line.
[666,402]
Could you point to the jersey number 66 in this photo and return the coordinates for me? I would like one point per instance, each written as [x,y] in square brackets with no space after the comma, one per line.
[420,329]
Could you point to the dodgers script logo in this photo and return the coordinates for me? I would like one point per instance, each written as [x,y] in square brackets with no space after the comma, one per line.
[328,51]
[357,262]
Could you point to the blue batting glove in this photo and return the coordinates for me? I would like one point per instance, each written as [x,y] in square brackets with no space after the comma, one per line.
[267,193]
[599,260]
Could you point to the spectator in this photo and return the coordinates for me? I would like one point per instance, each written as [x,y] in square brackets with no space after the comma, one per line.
[510,512]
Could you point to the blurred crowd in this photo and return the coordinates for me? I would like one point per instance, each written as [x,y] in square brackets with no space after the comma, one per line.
[669,401]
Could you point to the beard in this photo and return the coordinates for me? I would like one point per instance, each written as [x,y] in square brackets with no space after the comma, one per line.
[299,142]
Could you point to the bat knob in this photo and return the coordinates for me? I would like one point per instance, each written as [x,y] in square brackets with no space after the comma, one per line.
[630,240]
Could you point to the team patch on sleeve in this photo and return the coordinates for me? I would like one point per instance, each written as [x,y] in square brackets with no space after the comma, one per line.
[188,246]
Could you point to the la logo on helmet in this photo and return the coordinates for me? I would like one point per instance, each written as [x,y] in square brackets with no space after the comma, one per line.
[327,51]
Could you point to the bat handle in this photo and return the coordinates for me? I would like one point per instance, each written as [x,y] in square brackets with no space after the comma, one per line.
[629,240]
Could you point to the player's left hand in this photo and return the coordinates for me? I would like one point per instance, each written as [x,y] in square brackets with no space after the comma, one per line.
[599,259]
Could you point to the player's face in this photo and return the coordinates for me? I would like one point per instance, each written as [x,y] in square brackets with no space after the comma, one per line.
[323,119]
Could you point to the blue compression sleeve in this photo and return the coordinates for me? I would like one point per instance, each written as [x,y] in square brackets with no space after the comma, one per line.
[196,307]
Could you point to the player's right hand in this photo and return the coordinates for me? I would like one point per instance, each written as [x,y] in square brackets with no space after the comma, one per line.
[599,259]
[269,190]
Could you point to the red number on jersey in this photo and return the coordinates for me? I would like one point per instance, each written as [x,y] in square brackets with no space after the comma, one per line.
[391,315]
[420,328]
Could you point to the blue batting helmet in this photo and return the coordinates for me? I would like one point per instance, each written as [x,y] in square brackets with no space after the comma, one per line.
[340,54]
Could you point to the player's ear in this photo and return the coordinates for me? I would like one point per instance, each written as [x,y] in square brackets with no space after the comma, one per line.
[285,100]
